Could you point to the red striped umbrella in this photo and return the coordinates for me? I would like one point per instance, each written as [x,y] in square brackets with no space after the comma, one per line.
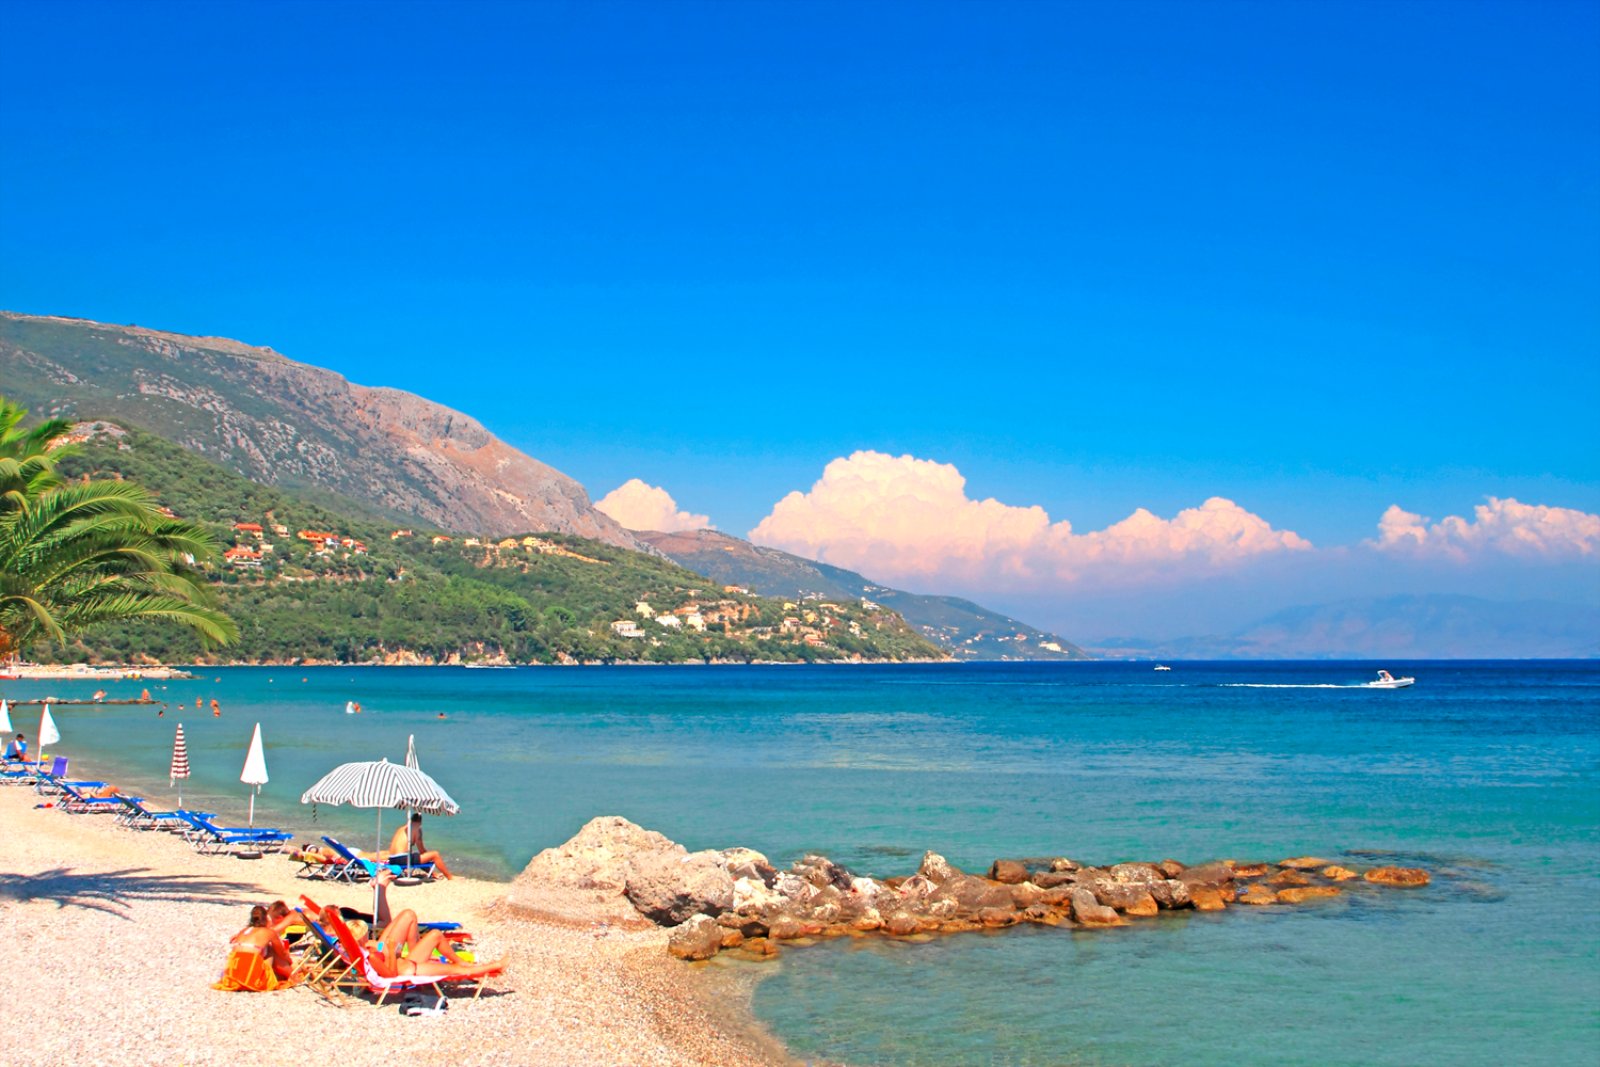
[180,762]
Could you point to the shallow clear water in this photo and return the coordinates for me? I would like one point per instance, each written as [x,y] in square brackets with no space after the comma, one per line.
[1486,773]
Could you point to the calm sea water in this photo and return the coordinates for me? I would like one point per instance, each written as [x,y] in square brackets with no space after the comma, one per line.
[1487,773]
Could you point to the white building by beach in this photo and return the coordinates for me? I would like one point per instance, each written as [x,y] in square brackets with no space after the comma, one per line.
[671,622]
[626,628]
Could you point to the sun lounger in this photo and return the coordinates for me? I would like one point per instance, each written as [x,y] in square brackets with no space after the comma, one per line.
[208,837]
[365,969]
[135,816]
[75,802]
[357,869]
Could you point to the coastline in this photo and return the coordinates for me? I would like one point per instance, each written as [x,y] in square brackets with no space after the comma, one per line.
[128,929]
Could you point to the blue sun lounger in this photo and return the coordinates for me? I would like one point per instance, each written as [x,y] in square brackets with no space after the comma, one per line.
[356,869]
[208,837]
[75,802]
[135,816]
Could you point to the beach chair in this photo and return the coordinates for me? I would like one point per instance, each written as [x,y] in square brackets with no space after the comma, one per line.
[381,985]
[135,816]
[74,801]
[356,869]
[210,838]
[458,936]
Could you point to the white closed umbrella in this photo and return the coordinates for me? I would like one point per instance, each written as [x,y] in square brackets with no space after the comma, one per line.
[255,770]
[5,718]
[48,734]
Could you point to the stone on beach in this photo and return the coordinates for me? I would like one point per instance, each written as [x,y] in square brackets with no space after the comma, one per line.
[668,886]
[699,938]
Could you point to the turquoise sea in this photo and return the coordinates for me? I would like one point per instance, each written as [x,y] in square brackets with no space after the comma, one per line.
[1486,773]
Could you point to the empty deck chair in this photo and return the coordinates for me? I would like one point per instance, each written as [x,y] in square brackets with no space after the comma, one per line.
[208,837]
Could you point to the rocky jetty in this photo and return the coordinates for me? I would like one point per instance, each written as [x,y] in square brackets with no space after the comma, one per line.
[614,871]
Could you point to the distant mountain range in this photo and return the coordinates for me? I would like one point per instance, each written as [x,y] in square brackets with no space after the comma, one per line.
[288,424]
[1399,627]
[967,630]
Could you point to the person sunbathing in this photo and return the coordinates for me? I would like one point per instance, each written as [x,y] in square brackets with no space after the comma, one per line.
[407,847]
[258,959]
[401,953]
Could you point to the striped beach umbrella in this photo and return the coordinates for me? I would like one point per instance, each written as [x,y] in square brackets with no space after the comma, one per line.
[180,763]
[380,785]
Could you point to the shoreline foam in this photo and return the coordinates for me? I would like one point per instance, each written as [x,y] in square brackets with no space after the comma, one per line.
[128,929]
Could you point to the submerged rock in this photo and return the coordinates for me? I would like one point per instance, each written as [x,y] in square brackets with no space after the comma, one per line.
[1301,894]
[1398,876]
[1090,912]
[1259,894]
[1336,873]
[1303,863]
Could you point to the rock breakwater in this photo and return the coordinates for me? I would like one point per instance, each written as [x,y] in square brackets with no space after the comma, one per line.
[616,872]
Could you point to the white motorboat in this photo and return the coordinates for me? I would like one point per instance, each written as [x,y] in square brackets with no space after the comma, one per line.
[1162,667]
[1389,681]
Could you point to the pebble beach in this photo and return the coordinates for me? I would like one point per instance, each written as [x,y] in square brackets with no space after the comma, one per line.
[116,935]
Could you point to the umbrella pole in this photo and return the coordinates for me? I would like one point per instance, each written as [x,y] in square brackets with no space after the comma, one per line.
[377,850]
[252,810]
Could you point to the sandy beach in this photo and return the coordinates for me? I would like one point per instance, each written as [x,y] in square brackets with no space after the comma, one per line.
[114,937]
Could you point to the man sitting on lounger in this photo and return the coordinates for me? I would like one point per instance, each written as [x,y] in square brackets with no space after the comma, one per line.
[406,847]
[17,750]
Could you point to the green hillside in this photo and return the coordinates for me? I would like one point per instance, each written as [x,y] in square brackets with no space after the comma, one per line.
[963,629]
[369,595]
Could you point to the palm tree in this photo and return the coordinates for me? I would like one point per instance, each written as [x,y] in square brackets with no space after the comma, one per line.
[73,554]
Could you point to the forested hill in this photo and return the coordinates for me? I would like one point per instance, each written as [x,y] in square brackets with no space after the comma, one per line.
[965,629]
[312,582]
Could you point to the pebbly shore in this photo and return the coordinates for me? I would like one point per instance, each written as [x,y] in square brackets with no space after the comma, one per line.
[115,936]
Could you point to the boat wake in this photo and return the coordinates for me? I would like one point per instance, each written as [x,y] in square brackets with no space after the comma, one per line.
[1297,685]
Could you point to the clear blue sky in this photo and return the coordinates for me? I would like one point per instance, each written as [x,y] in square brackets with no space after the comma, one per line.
[1319,258]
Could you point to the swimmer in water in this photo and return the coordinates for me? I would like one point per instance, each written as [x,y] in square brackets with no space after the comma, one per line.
[196,703]
[216,709]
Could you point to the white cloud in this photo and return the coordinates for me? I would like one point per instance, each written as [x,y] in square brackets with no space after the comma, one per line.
[898,517]
[1505,527]
[640,506]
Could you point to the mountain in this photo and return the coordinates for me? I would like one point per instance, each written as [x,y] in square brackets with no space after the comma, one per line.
[963,628]
[1399,627]
[308,583]
[284,423]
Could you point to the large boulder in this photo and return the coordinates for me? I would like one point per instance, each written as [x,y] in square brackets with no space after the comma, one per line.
[972,894]
[1136,873]
[1206,874]
[1171,893]
[1010,872]
[1119,895]
[1051,879]
[1289,876]
[1401,876]
[1089,911]
[699,938]
[1259,894]
[668,887]
[935,868]
[1336,873]
[752,897]
[583,880]
[748,863]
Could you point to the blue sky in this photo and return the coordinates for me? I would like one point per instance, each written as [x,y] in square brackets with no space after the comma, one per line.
[1317,259]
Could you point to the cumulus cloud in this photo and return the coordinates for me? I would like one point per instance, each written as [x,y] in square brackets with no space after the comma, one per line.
[899,517]
[1504,527]
[640,506]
